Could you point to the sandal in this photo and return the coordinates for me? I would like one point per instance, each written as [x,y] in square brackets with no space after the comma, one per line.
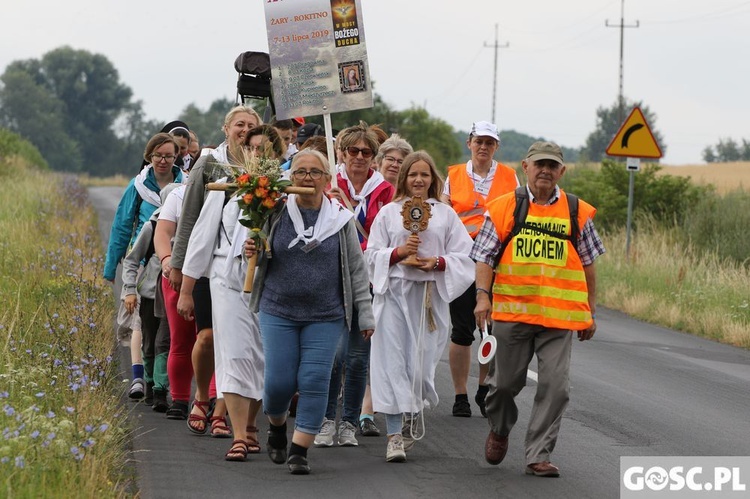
[237,452]
[219,427]
[193,419]
[253,444]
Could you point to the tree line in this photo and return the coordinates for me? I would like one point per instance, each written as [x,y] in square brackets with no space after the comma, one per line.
[73,107]
[727,150]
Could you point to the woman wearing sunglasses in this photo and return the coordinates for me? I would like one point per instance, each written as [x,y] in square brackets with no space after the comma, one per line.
[364,192]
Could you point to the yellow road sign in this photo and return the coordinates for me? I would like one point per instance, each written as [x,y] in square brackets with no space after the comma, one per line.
[634,139]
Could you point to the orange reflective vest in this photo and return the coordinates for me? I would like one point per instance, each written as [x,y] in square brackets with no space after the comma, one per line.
[540,279]
[469,204]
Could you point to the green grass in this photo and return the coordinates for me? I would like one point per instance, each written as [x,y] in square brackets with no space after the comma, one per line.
[669,282]
[64,431]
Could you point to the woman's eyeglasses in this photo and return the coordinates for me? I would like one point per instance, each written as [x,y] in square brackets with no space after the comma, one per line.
[391,159]
[158,157]
[354,151]
[301,174]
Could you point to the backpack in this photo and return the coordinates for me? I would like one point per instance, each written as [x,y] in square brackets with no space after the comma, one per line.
[519,221]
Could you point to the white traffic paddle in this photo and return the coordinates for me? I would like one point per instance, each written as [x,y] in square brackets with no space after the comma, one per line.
[487,347]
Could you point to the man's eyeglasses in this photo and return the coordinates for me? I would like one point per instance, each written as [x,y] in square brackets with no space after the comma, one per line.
[158,157]
[301,174]
[354,151]
[391,159]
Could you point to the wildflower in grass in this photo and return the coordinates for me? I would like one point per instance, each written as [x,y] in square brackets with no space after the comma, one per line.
[51,415]
[88,443]
[104,427]
[4,395]
[70,410]
[34,434]
[76,452]
[39,395]
[20,462]
[9,411]
[74,386]
[88,428]
[4,460]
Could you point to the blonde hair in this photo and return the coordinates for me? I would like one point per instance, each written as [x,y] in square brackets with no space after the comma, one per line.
[242,109]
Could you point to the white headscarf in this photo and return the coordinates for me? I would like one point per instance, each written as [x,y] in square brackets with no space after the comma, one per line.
[331,219]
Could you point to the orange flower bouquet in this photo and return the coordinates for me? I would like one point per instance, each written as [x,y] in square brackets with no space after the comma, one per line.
[257,186]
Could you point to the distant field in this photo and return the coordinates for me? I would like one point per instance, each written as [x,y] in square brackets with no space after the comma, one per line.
[725,176]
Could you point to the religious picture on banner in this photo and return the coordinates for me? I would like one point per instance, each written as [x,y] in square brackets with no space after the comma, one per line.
[345,27]
[351,76]
[318,51]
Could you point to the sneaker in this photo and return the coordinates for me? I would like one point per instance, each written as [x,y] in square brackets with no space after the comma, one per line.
[368,428]
[406,435]
[346,434]
[327,432]
[178,410]
[298,465]
[160,401]
[462,409]
[395,453]
[137,388]
[149,398]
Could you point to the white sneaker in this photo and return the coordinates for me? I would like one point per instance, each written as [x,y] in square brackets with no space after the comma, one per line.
[327,432]
[346,434]
[395,453]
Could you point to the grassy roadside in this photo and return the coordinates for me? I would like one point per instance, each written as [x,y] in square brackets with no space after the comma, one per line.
[669,283]
[64,431]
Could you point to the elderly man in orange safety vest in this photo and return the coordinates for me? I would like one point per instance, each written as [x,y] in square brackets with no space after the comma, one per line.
[535,279]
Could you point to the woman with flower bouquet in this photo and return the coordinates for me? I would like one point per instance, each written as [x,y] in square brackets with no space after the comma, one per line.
[302,320]
[238,122]
[211,251]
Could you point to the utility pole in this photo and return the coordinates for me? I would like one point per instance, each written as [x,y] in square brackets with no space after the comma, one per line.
[622,26]
[496,46]
[621,117]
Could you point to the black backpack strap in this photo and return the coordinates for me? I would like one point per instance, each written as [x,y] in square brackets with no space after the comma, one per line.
[519,218]
[575,230]
[151,250]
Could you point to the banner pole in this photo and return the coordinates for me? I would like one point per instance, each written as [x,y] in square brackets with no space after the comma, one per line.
[330,148]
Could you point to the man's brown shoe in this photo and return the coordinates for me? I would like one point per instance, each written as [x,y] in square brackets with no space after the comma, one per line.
[545,468]
[495,448]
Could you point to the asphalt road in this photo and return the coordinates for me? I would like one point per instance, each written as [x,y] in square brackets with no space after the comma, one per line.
[637,390]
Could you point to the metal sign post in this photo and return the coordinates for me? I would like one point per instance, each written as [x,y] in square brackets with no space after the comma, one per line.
[633,165]
[633,140]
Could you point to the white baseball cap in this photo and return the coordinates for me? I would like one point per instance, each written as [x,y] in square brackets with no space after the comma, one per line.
[484,129]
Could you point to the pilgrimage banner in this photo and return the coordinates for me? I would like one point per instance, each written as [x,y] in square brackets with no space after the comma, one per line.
[318,57]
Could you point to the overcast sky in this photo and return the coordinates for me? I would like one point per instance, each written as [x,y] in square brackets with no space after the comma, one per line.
[689,60]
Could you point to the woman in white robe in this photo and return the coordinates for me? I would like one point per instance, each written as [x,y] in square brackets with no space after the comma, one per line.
[411,302]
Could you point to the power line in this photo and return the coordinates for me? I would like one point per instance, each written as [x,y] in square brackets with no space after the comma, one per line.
[622,26]
[496,46]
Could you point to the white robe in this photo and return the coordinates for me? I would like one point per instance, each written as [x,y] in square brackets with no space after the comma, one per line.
[404,353]
[238,351]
